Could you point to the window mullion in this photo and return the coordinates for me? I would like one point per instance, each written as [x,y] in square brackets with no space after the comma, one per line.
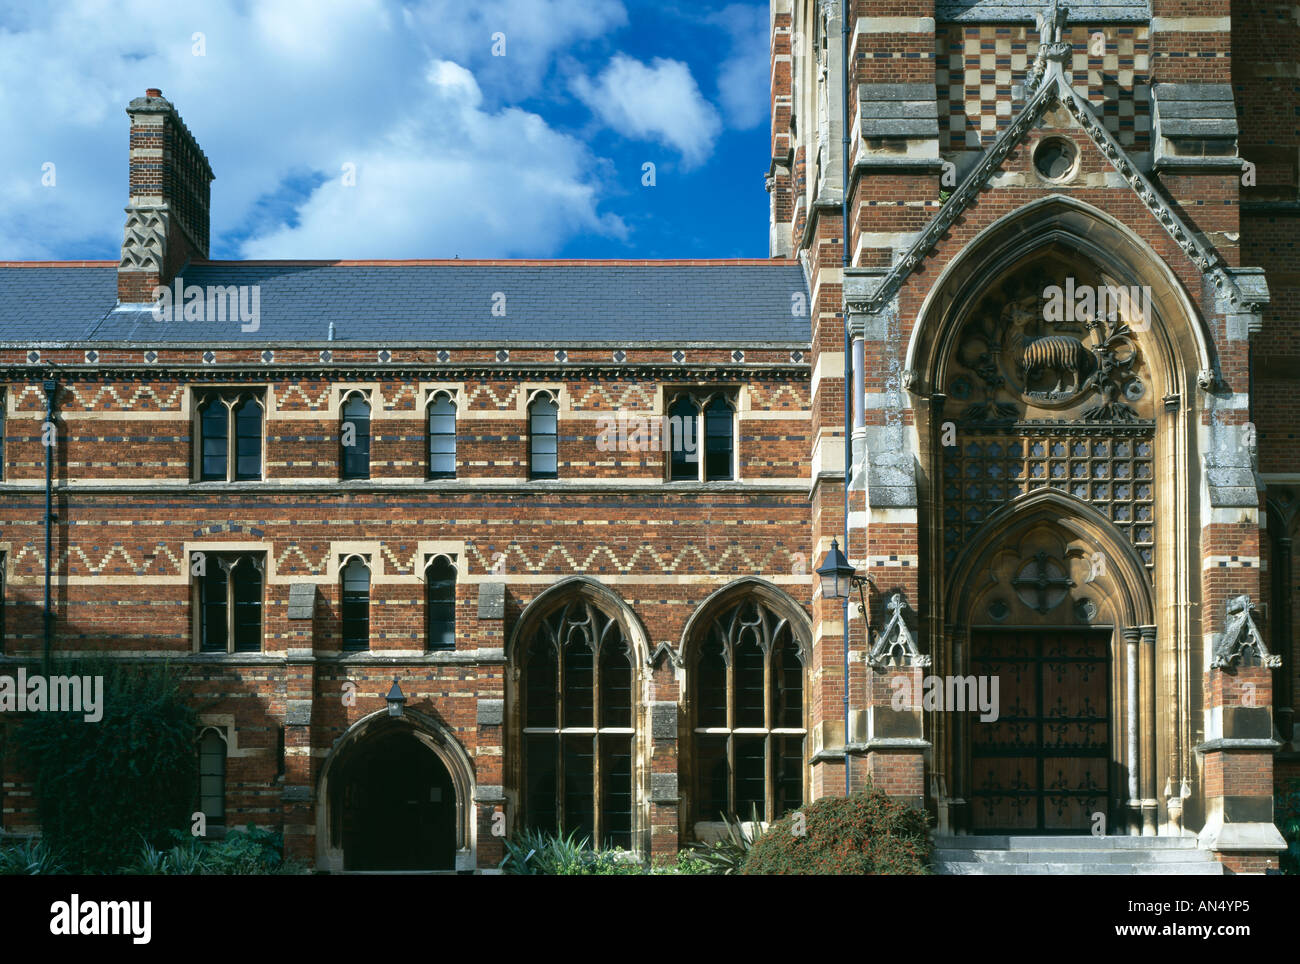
[230,608]
[232,442]
[769,693]
[701,455]
[597,778]
[731,726]
[560,720]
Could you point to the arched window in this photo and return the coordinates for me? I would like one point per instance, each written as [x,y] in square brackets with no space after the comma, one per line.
[749,727]
[356,605]
[212,778]
[230,587]
[543,428]
[442,437]
[719,440]
[247,413]
[684,439]
[578,725]
[440,603]
[224,416]
[214,423]
[354,437]
[701,436]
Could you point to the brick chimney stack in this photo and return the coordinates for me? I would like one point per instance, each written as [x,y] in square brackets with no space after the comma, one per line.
[167,213]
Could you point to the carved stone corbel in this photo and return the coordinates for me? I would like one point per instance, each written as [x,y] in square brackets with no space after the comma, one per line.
[896,641]
[663,651]
[1240,636]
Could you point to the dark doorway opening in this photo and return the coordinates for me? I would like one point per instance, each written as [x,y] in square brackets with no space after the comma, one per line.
[1043,766]
[398,807]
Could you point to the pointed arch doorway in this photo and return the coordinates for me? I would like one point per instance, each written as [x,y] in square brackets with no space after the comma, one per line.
[398,807]
[1049,610]
[396,796]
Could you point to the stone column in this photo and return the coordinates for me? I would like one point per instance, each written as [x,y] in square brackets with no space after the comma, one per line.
[1150,803]
[1132,718]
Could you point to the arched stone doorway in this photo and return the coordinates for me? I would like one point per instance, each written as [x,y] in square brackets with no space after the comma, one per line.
[398,807]
[396,795]
[1055,364]
[1052,616]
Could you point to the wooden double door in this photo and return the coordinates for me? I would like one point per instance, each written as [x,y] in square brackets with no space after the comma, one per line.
[1043,766]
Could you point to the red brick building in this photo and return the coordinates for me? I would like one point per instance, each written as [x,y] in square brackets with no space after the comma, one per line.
[572,509]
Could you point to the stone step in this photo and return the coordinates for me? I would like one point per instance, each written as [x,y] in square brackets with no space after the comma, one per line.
[1074,856]
[1072,842]
[1188,868]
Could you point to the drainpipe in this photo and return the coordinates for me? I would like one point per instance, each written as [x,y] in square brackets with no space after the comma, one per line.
[51,389]
[848,359]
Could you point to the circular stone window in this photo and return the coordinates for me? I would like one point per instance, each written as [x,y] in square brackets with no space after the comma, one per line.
[1055,158]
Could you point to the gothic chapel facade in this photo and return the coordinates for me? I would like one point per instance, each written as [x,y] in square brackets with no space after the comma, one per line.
[417,541]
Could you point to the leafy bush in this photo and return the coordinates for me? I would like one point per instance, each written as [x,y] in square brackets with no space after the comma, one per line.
[30,857]
[867,833]
[686,862]
[250,851]
[100,787]
[1287,808]
[540,852]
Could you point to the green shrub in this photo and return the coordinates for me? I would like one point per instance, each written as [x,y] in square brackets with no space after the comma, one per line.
[28,858]
[540,852]
[686,862]
[1287,807]
[867,833]
[249,851]
[101,787]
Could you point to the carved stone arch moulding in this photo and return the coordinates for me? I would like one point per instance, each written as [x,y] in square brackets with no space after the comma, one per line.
[780,612]
[1047,242]
[1051,561]
[588,593]
[1052,356]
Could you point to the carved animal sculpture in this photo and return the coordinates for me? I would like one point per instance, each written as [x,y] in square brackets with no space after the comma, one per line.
[1059,354]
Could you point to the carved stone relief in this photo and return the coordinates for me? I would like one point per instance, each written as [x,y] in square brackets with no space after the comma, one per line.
[1047,386]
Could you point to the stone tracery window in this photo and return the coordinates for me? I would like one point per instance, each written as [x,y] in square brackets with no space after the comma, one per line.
[749,728]
[230,589]
[579,729]
[230,435]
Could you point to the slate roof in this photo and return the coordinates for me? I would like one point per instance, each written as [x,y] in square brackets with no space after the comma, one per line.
[431,303]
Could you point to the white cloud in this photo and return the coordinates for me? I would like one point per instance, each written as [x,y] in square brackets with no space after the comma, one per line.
[534,32]
[483,184]
[660,102]
[287,89]
[743,76]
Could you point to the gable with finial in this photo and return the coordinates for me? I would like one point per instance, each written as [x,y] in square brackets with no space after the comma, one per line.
[1048,87]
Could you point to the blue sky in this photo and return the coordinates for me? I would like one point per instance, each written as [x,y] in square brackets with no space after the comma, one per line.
[458,151]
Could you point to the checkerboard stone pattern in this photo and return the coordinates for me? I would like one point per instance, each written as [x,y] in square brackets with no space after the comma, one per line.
[977,66]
